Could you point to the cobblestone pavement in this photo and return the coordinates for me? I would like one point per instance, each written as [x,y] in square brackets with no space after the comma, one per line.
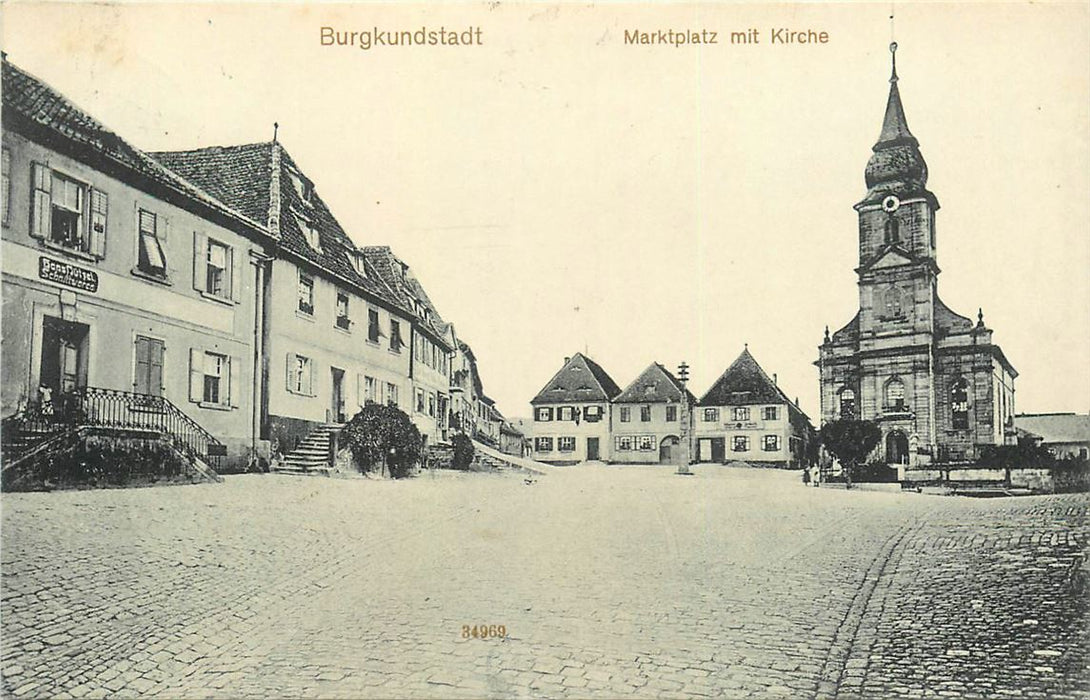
[609,582]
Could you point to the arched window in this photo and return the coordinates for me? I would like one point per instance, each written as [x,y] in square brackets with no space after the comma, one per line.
[895,395]
[892,302]
[893,230]
[847,403]
[959,404]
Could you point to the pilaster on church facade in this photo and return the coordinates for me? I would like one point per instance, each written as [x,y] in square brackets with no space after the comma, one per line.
[934,381]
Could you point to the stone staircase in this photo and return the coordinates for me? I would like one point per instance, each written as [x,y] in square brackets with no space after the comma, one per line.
[312,454]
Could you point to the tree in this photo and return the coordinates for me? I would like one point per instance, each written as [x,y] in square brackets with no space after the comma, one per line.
[850,441]
[383,436]
[463,452]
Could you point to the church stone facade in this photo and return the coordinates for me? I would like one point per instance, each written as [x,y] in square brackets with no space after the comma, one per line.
[932,379]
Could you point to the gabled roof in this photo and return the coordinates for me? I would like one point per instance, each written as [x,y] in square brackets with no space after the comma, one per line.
[654,385]
[1056,427]
[743,383]
[580,379]
[247,178]
[34,107]
[398,278]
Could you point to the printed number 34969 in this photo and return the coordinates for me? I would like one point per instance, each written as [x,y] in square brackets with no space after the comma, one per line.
[483,631]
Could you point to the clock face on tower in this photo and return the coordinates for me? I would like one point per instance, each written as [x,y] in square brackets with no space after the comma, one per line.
[891,203]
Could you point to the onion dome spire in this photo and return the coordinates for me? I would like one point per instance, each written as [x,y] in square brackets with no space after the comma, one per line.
[896,164]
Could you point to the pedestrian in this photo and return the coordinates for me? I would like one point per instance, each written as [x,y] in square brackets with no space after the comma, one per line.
[806,476]
[817,476]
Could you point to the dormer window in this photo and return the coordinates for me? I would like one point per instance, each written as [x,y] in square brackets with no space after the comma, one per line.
[357,259]
[303,187]
[310,232]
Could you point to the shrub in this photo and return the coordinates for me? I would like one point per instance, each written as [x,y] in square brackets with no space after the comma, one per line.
[463,452]
[384,437]
[850,441]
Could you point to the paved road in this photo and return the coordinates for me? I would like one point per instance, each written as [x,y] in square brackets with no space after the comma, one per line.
[609,582]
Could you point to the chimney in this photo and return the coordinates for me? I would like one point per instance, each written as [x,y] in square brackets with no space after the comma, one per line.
[567,360]
[775,379]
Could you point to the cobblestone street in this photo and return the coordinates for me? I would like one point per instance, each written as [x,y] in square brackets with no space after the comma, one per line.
[609,582]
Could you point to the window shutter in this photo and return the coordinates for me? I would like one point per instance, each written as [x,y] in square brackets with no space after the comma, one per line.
[310,378]
[196,374]
[234,389]
[289,384]
[99,211]
[200,261]
[361,396]
[550,410]
[234,264]
[42,181]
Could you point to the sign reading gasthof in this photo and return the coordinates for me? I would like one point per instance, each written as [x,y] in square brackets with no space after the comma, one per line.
[69,275]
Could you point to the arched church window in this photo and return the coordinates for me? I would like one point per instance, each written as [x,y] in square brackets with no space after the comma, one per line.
[893,230]
[893,302]
[895,395]
[847,403]
[959,404]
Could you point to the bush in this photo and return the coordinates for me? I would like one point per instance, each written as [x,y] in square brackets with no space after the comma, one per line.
[850,441]
[463,452]
[384,437]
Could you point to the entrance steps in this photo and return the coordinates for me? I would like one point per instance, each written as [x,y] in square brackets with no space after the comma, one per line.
[312,456]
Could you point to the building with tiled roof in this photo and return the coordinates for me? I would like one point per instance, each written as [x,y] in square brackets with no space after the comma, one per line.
[933,380]
[123,281]
[648,418]
[1067,435]
[745,416]
[572,413]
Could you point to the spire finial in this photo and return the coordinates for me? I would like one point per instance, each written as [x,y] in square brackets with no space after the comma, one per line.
[980,316]
[826,334]
[276,128]
[893,59]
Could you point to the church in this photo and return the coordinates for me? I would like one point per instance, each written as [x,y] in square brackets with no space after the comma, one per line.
[932,379]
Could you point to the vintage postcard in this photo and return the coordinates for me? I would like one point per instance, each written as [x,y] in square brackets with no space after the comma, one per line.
[535,349]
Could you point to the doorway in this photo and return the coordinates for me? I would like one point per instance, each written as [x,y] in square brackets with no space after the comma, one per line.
[668,450]
[896,448]
[64,356]
[592,449]
[337,396]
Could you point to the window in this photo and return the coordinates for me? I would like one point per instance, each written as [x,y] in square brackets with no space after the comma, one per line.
[847,403]
[740,413]
[959,404]
[623,443]
[420,401]
[543,414]
[894,302]
[770,413]
[373,331]
[543,444]
[431,405]
[213,378]
[342,311]
[391,395]
[5,187]
[565,413]
[310,232]
[300,375]
[645,443]
[216,271]
[895,395]
[370,390]
[770,443]
[306,294]
[151,260]
[893,230]
[59,211]
[740,443]
[395,336]
[592,414]
[671,414]
[626,414]
[565,444]
[711,415]
[645,414]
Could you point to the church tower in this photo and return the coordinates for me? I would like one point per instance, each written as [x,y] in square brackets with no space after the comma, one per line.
[929,377]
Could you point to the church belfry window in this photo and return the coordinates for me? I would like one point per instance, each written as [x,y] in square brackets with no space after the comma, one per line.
[847,404]
[893,230]
[959,404]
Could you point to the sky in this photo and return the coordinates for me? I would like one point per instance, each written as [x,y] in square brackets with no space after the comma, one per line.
[558,191]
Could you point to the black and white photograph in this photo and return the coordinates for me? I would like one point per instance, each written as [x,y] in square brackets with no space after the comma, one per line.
[545,350]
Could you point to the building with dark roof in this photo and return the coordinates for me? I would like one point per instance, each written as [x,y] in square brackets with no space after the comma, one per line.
[123,281]
[934,380]
[745,417]
[1066,435]
[572,413]
[648,416]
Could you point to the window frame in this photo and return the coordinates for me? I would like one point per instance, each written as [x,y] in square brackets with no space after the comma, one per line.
[739,414]
[710,415]
[543,444]
[770,413]
[301,307]
[736,440]
[671,413]
[770,443]
[342,321]
[645,413]
[565,444]
[626,414]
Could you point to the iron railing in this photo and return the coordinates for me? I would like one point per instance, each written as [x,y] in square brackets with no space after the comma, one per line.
[111,408]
